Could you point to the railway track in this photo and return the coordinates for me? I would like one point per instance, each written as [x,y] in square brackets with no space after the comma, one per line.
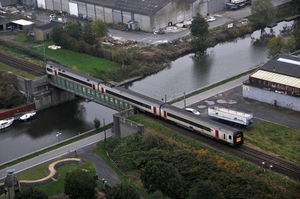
[272,162]
[256,156]
[23,65]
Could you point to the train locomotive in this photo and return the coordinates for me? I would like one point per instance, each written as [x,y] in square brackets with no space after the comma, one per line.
[157,108]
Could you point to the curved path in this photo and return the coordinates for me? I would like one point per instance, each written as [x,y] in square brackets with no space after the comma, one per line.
[52,173]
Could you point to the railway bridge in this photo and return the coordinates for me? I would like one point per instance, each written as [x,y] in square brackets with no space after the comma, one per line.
[88,93]
[122,127]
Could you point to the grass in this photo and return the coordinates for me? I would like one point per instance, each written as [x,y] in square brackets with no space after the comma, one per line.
[34,174]
[4,68]
[57,187]
[281,140]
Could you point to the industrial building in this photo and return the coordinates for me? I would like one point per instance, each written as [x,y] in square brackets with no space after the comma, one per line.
[147,15]
[277,82]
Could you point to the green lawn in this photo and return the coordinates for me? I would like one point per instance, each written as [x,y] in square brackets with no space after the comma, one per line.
[57,187]
[281,140]
[86,63]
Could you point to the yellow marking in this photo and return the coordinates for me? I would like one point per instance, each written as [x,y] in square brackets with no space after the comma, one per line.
[238,139]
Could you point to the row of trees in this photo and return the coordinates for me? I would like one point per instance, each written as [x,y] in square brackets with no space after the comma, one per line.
[87,39]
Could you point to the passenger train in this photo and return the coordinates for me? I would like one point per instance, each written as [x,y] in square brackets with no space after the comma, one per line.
[81,82]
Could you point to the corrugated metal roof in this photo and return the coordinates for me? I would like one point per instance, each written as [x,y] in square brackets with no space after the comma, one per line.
[145,7]
[277,78]
[22,22]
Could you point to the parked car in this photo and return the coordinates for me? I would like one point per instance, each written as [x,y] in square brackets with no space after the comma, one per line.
[194,111]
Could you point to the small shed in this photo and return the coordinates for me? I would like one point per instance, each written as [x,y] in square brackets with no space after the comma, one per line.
[21,24]
[42,32]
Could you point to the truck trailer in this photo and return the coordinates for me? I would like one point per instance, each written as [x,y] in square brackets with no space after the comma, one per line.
[235,118]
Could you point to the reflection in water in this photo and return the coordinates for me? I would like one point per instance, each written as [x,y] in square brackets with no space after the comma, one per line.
[223,61]
[69,119]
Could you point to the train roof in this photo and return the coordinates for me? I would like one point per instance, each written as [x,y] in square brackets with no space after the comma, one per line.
[136,95]
[198,118]
[78,73]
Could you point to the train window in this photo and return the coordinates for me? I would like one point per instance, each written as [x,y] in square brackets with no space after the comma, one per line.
[229,137]
[88,80]
[224,136]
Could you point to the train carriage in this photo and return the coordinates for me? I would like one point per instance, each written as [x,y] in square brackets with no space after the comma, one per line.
[202,125]
[139,101]
[59,73]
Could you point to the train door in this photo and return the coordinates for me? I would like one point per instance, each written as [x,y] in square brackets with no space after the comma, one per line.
[165,114]
[217,134]
[154,111]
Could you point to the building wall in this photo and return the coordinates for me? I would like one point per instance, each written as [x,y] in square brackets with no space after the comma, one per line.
[9,2]
[123,127]
[91,11]
[65,6]
[174,12]
[38,34]
[41,93]
[269,97]
[57,5]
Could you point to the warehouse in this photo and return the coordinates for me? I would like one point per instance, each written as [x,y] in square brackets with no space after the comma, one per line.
[147,15]
[277,82]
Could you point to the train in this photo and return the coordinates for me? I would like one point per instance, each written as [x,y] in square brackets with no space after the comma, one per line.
[82,82]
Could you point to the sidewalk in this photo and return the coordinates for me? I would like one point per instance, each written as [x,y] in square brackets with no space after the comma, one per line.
[205,95]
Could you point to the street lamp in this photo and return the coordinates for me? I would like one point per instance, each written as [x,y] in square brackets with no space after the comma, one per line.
[57,135]
[42,45]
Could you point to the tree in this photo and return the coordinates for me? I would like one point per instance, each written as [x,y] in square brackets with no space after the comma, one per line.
[79,185]
[199,27]
[9,93]
[296,33]
[121,55]
[97,123]
[87,34]
[122,191]
[296,5]
[31,193]
[73,28]
[290,45]
[204,189]
[164,177]
[99,28]
[56,34]
[278,45]
[275,46]
[264,10]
